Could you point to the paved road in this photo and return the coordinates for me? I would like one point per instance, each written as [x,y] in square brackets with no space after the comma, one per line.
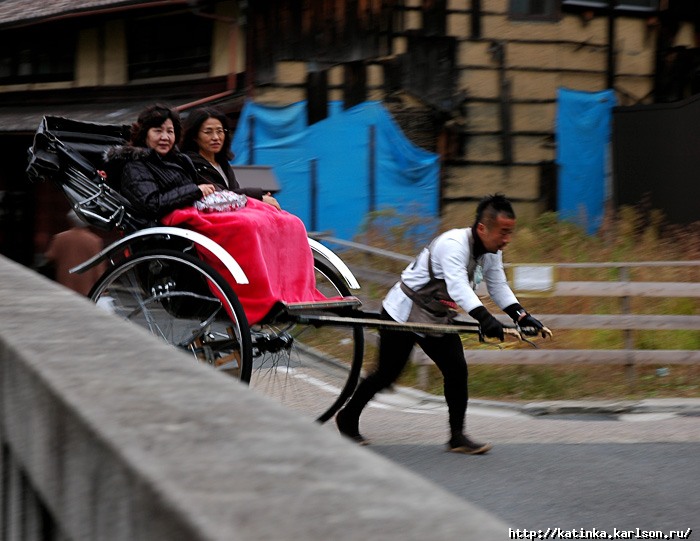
[601,471]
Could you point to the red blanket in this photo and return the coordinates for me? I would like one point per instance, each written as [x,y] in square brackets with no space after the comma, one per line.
[271,247]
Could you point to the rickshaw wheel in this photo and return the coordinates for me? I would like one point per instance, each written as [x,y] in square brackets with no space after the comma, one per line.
[183,301]
[308,367]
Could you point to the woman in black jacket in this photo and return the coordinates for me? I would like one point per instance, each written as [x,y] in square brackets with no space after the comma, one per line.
[152,173]
[208,144]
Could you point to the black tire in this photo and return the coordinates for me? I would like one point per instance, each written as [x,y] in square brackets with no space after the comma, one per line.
[183,301]
[300,364]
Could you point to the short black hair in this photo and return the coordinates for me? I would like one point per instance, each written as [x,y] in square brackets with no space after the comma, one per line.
[153,116]
[192,126]
[491,206]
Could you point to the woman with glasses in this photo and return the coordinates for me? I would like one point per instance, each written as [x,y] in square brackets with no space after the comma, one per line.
[208,144]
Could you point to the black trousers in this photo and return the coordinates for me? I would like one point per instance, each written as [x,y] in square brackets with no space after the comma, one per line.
[395,347]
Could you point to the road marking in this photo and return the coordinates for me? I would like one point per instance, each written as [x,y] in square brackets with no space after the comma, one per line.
[332,389]
[637,417]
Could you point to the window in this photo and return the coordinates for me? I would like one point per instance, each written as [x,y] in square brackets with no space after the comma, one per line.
[550,10]
[172,45]
[640,6]
[534,10]
[43,56]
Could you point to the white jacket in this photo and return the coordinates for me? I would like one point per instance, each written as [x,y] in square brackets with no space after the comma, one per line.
[450,254]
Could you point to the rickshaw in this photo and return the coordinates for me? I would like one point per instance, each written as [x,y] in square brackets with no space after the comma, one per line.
[157,279]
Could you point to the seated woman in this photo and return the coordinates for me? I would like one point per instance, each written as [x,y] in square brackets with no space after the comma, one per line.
[153,175]
[269,244]
[207,141]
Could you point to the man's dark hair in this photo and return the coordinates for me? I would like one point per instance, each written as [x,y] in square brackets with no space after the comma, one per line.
[490,207]
[194,123]
[153,117]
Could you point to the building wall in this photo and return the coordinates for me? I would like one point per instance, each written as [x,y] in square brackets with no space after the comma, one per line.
[101,58]
[88,63]
[538,58]
[228,42]
[114,55]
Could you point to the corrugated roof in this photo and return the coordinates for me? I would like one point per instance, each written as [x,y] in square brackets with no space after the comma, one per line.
[27,117]
[24,11]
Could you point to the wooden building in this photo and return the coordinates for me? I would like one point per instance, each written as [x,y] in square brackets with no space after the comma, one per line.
[474,80]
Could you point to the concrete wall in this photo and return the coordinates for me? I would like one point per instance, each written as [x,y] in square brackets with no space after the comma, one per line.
[108,434]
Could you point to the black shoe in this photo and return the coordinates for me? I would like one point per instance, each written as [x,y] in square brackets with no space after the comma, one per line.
[349,429]
[466,446]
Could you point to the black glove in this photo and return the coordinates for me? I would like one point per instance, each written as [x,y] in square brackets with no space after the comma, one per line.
[524,320]
[529,326]
[528,322]
[490,326]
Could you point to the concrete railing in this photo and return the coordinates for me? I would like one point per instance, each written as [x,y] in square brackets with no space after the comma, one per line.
[108,434]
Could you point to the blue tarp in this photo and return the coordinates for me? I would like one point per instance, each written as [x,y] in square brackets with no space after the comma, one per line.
[338,148]
[583,133]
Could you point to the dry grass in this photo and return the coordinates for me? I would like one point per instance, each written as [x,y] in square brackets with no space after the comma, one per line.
[528,383]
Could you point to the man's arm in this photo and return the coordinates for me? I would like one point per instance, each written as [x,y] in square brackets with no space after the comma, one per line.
[453,258]
[503,296]
[450,260]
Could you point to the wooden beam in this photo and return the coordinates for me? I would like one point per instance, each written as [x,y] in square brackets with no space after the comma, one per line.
[582,356]
[627,289]
[620,322]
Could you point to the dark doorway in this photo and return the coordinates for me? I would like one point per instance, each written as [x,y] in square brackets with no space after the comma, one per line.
[656,156]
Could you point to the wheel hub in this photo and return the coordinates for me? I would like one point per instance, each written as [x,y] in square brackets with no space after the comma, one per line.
[272,342]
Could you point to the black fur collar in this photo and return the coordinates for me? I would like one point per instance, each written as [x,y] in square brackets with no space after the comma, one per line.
[126,153]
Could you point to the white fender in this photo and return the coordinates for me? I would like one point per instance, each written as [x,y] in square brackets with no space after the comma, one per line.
[205,242]
[336,262]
